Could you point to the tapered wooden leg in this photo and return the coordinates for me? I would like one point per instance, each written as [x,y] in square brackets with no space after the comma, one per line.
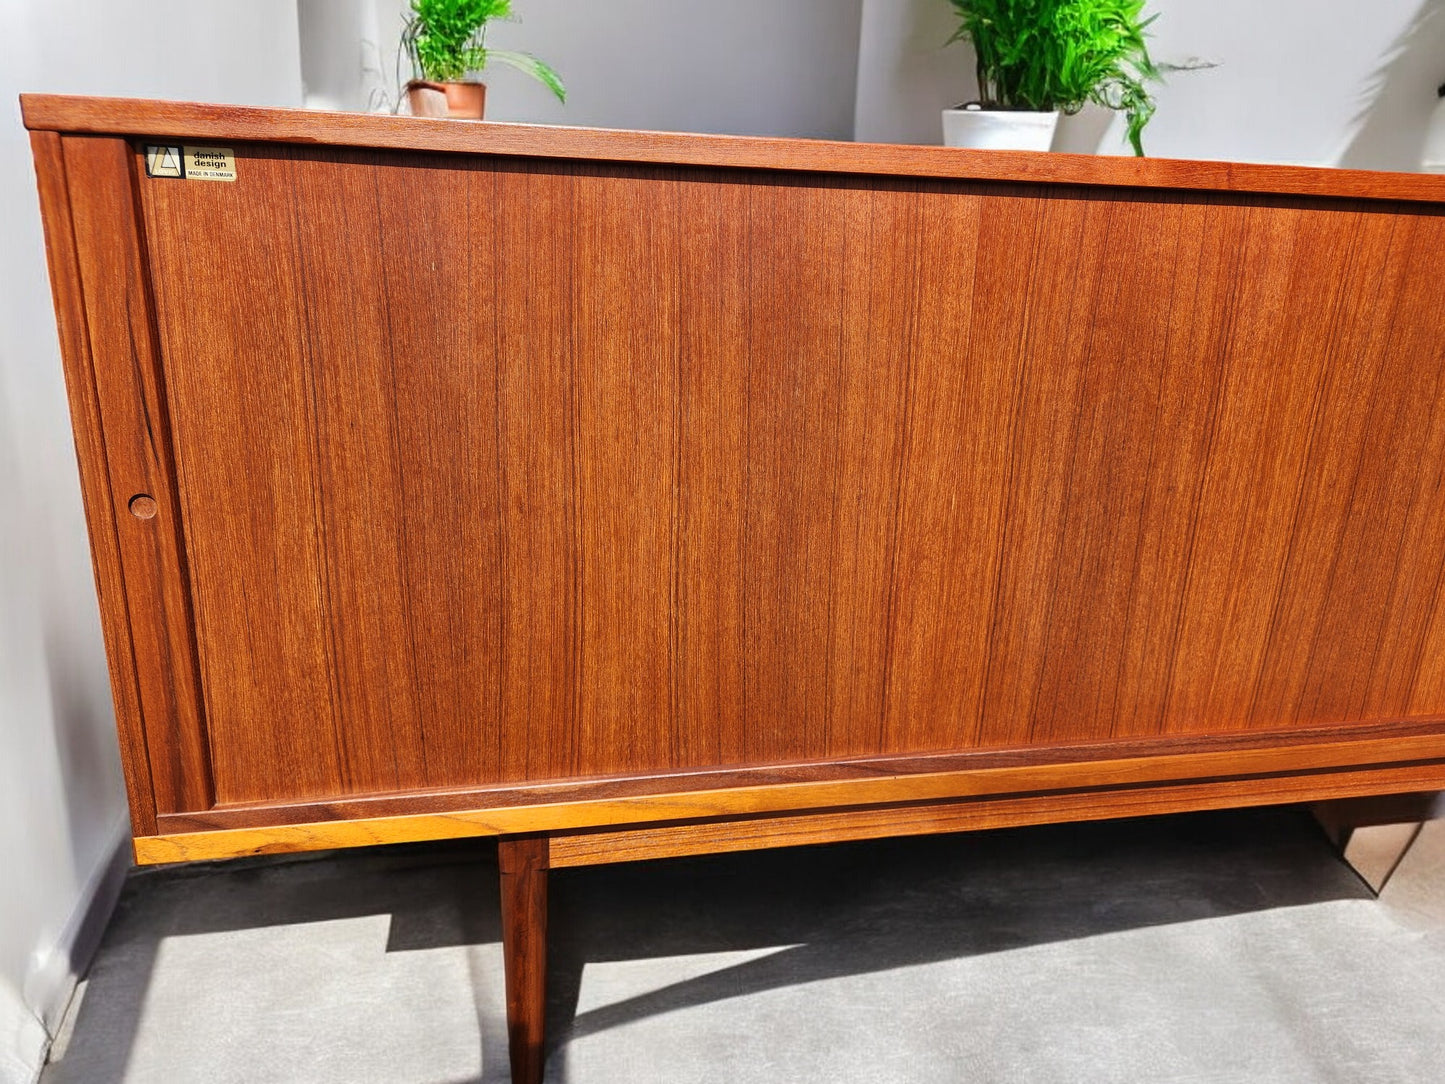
[523,861]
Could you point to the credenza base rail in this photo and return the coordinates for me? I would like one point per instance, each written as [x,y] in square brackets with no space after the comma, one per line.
[872,798]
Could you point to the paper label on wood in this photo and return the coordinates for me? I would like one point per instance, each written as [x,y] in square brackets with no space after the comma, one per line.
[209,164]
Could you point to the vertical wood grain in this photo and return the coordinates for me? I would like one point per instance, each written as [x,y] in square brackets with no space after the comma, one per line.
[353,416]
[708,649]
[447,456]
[1346,338]
[793,333]
[868,448]
[100,508]
[1120,322]
[626,295]
[1038,276]
[523,862]
[543,571]
[937,668]
[1176,376]
[230,297]
[499,470]
[134,420]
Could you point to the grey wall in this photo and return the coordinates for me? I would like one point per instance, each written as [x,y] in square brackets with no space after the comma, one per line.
[905,74]
[753,67]
[62,804]
[1400,95]
[1295,82]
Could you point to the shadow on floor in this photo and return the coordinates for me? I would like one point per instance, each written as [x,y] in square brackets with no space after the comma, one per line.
[876,906]
[829,911]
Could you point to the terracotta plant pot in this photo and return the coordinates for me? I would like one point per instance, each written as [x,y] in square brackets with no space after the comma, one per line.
[460,101]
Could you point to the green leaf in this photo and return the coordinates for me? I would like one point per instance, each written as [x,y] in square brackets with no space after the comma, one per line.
[538,70]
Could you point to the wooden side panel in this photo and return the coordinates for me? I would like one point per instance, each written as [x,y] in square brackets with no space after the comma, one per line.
[497,471]
[149,621]
[100,512]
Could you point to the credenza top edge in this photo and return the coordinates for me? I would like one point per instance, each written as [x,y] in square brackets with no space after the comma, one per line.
[143,118]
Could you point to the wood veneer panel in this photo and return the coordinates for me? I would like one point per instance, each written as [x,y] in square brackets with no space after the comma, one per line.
[100,510]
[622,276]
[442,428]
[134,419]
[1308,513]
[1034,316]
[230,123]
[793,419]
[541,594]
[250,425]
[711,521]
[1108,581]
[610,470]
[946,499]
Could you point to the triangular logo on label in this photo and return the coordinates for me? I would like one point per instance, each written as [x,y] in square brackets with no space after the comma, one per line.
[163,161]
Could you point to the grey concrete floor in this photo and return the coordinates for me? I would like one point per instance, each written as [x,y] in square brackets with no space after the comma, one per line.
[1204,948]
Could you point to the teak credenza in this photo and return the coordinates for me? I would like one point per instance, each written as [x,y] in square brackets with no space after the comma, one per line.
[626,494]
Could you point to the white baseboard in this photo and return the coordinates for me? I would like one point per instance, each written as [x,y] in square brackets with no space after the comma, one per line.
[23,1041]
[55,968]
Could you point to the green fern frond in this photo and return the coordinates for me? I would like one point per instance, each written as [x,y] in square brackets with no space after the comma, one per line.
[537,69]
[1060,54]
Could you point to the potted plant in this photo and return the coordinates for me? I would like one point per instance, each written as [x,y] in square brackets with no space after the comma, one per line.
[1038,57]
[447,40]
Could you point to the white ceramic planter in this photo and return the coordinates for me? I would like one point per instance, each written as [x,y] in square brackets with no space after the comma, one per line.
[998,129]
[1433,158]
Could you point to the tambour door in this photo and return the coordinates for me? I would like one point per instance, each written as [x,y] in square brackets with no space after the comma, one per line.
[498,469]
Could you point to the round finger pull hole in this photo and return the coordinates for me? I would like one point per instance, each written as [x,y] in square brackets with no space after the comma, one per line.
[143,506]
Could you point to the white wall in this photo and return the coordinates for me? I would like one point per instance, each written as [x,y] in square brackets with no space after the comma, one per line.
[1401,94]
[62,806]
[905,74]
[1295,81]
[1316,82]
[753,67]
[1313,82]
